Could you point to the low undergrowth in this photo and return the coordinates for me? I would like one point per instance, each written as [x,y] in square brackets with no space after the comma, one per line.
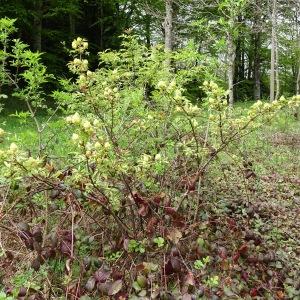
[244,243]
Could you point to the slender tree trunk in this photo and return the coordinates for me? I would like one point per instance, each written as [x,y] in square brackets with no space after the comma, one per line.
[296,114]
[256,67]
[242,68]
[237,68]
[298,71]
[37,25]
[240,55]
[298,77]
[148,88]
[250,66]
[231,67]
[148,30]
[273,51]
[277,69]
[298,81]
[168,28]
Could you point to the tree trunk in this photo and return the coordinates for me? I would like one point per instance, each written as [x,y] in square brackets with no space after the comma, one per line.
[298,81]
[298,72]
[250,66]
[237,68]
[148,30]
[296,114]
[277,70]
[297,110]
[168,27]
[273,51]
[256,67]
[242,68]
[37,25]
[231,67]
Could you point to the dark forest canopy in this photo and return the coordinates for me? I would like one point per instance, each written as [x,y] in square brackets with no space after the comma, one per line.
[255,42]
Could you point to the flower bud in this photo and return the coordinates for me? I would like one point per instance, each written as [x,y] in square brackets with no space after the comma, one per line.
[96,122]
[74,44]
[13,147]
[75,137]
[106,145]
[161,85]
[158,156]
[97,145]
[76,118]
[86,124]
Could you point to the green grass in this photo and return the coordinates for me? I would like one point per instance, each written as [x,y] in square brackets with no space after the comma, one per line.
[25,134]
[276,146]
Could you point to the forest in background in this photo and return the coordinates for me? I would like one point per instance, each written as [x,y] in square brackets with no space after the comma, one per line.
[255,44]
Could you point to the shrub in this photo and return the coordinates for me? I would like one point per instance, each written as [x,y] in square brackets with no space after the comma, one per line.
[142,154]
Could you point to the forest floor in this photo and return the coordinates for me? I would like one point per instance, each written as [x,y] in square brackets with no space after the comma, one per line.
[255,221]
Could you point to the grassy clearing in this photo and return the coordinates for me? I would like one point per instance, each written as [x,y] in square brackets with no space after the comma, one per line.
[276,146]
[24,133]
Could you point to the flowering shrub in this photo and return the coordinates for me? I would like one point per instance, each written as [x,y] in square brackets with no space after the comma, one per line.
[23,70]
[142,153]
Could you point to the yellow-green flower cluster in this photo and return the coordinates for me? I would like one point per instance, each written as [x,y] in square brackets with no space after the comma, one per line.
[80,45]
[115,75]
[87,138]
[294,102]
[32,163]
[145,161]
[170,88]
[74,119]
[262,108]
[189,108]
[147,164]
[111,93]
[85,79]
[78,65]
[11,153]
[85,126]
[97,149]
[187,148]
[17,162]
[216,99]
[13,149]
